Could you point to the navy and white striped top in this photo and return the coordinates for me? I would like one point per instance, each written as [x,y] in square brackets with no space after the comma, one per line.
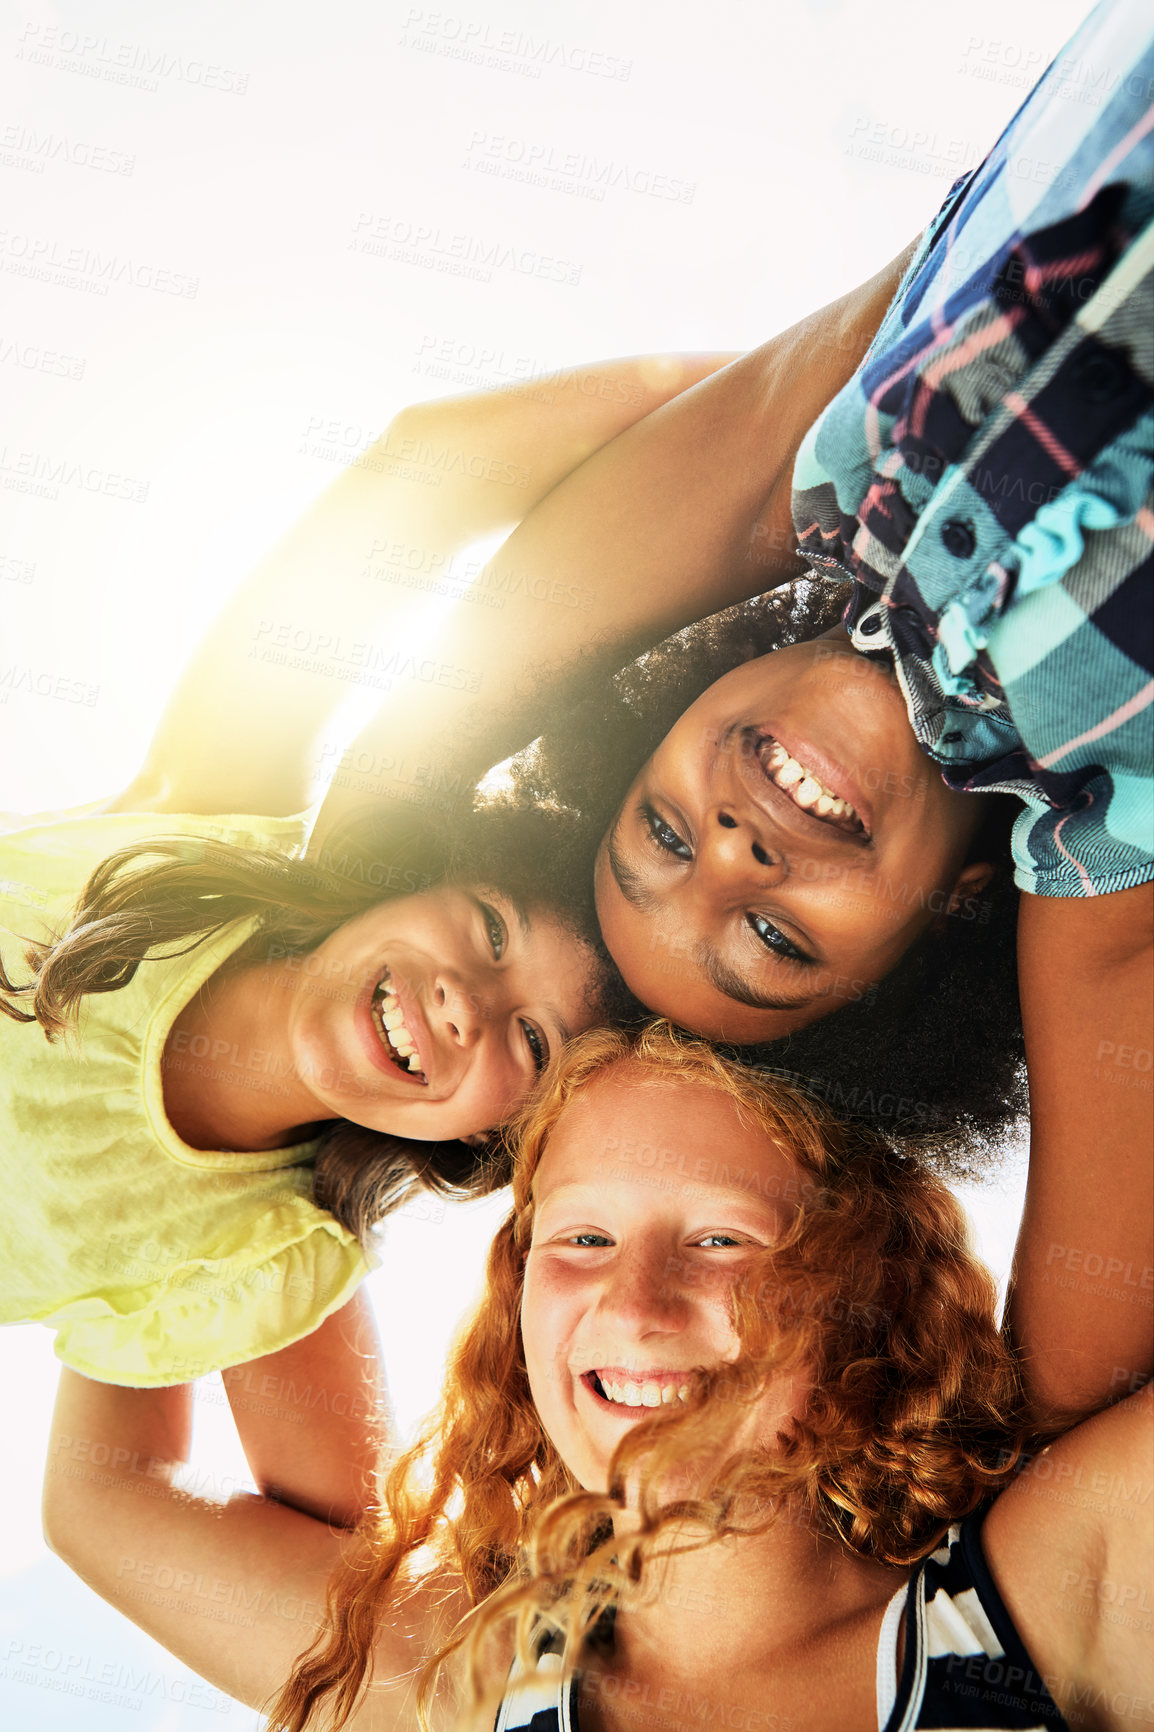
[965,1665]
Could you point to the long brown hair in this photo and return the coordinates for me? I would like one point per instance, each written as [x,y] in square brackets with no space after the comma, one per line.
[164,897]
[913,1420]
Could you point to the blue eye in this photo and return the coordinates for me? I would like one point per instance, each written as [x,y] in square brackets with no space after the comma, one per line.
[774,939]
[725,1239]
[591,1240]
[664,835]
[537,1044]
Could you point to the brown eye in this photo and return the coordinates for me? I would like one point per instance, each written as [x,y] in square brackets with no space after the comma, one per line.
[663,835]
[496,931]
[774,939]
[537,1044]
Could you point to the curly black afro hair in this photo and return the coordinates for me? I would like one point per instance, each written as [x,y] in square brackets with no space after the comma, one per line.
[933,1056]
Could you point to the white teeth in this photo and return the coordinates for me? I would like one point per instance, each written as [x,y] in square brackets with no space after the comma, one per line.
[647,1394]
[803,786]
[390,1023]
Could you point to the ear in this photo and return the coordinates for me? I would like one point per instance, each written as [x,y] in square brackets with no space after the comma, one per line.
[967,887]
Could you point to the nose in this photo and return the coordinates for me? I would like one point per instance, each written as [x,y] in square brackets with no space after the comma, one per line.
[644,1291]
[740,849]
[461,1007]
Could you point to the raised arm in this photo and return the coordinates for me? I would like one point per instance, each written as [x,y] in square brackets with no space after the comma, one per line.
[234,1587]
[329,603]
[1069,1546]
[649,492]
[311,1418]
[685,512]
[1083,1284]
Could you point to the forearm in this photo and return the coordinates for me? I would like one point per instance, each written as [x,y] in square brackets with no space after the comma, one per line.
[1083,1284]
[311,1418]
[333,600]
[235,1589]
[494,455]
[685,513]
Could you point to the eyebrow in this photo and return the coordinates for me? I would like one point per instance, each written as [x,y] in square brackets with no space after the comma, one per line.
[524,918]
[720,975]
[732,985]
[745,1205]
[629,881]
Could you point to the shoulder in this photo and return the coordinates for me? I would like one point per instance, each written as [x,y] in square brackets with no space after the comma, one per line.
[1068,1545]
[423,1615]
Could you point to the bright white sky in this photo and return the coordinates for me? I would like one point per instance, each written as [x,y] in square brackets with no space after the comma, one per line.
[763,155]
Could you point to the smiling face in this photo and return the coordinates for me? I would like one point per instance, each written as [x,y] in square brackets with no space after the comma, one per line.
[783,848]
[432,1016]
[651,1199]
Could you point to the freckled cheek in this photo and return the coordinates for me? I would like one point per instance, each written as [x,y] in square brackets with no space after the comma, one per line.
[719,1321]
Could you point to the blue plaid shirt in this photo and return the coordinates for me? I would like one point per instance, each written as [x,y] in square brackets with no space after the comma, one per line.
[986,478]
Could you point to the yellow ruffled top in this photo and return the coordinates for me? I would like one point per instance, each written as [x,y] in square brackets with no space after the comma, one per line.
[155,1263]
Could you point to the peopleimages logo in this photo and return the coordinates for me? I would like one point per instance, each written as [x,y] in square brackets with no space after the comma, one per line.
[43,473]
[25,147]
[569,171]
[463,255]
[477,42]
[118,62]
[52,260]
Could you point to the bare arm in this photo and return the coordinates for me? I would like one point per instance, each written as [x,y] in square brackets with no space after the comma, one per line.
[332,598]
[647,513]
[236,1590]
[1069,1545]
[686,512]
[1083,1281]
[311,1417]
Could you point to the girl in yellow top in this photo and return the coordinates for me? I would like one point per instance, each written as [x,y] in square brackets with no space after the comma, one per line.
[231,1044]
[243,1010]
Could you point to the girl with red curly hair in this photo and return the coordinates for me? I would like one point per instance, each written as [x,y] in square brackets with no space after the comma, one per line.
[734,1379]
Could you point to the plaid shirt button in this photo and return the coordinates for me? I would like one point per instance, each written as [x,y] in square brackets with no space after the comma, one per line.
[958,538]
[1098,376]
[913,627]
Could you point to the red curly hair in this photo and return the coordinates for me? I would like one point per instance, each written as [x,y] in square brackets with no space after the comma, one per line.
[914,1418]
